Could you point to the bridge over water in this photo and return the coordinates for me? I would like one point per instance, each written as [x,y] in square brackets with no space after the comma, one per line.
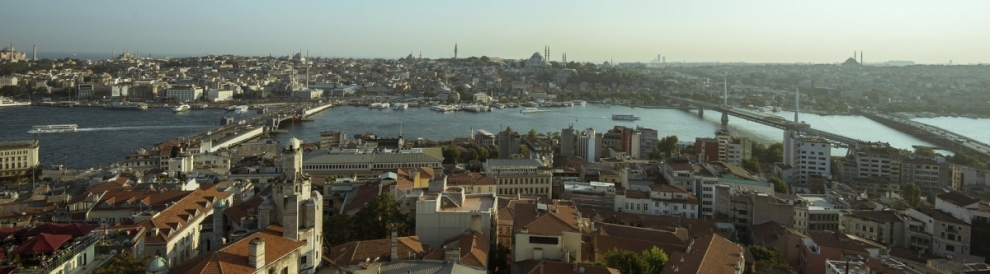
[769,120]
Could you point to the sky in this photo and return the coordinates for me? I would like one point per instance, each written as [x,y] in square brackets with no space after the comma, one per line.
[933,32]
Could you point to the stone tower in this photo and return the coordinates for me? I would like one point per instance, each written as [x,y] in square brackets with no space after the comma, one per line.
[297,207]
[219,230]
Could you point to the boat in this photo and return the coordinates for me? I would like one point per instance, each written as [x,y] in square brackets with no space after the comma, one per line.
[181,108]
[241,109]
[580,103]
[776,109]
[475,108]
[7,102]
[231,108]
[529,110]
[54,128]
[530,104]
[400,106]
[127,106]
[624,117]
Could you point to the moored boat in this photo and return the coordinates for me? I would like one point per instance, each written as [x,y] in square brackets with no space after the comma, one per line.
[181,108]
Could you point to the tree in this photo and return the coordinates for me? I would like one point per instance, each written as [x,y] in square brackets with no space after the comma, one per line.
[337,229]
[768,260]
[376,219]
[499,261]
[654,259]
[924,151]
[779,186]
[752,164]
[532,133]
[667,144]
[625,261]
[911,194]
[124,264]
[451,154]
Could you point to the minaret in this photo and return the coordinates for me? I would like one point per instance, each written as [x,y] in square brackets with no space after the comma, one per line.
[137,54]
[113,53]
[34,53]
[861,58]
[455,50]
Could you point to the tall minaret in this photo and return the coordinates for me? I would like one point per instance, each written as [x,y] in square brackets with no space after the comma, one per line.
[797,104]
[34,52]
[455,50]
[861,58]
[113,53]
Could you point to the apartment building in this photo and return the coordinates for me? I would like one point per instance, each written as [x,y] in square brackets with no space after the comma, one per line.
[521,176]
[809,156]
[18,157]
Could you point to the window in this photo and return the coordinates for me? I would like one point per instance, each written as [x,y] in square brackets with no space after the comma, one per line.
[302,260]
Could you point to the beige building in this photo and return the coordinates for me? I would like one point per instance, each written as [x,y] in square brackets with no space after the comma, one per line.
[451,212]
[522,176]
[949,236]
[885,227]
[174,233]
[18,157]
[554,232]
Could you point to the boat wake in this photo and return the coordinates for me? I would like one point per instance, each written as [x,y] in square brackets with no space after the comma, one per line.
[135,128]
[585,116]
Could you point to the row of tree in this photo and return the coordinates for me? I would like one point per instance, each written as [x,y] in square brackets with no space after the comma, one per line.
[373,221]
[650,261]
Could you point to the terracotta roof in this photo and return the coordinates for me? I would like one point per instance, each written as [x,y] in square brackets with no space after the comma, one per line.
[770,231]
[713,254]
[958,198]
[43,243]
[178,215]
[837,240]
[876,215]
[130,199]
[356,252]
[365,194]
[473,248]
[562,217]
[233,258]
[938,215]
[71,229]
[471,178]
[696,228]
[235,213]
[544,266]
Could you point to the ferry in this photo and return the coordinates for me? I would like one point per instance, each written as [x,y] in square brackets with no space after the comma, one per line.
[529,110]
[7,102]
[624,117]
[127,106]
[241,109]
[54,128]
[181,108]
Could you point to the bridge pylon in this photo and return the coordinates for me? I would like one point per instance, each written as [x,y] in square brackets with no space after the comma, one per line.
[701,112]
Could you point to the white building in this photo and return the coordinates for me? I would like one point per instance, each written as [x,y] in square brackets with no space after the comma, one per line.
[215,95]
[185,93]
[8,80]
[522,176]
[810,156]
[657,199]
[587,145]
[18,157]
[451,212]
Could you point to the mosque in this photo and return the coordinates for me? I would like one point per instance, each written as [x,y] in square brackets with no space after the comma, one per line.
[12,55]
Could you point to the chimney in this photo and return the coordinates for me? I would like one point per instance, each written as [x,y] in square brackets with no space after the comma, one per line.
[256,253]
[395,245]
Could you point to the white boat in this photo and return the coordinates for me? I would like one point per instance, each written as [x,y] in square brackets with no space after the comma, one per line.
[400,106]
[54,128]
[7,102]
[624,117]
[181,108]
[241,109]
[529,110]
[580,103]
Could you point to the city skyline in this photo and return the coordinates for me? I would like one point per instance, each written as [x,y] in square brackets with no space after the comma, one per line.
[719,31]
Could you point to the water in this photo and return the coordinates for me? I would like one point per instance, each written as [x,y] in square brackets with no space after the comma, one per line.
[422,122]
[104,136]
[107,136]
[978,129]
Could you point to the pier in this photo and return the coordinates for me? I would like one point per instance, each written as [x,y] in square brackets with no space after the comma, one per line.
[226,136]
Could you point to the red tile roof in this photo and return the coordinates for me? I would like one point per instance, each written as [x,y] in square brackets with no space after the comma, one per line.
[713,254]
[356,252]
[43,243]
[233,258]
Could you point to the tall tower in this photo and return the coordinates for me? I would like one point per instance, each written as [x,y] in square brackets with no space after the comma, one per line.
[797,104]
[861,58]
[34,52]
[455,50]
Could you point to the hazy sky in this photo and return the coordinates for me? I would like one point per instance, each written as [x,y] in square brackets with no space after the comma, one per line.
[596,31]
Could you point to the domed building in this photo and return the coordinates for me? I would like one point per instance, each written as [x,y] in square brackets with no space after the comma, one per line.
[535,61]
[158,265]
[299,58]
[10,54]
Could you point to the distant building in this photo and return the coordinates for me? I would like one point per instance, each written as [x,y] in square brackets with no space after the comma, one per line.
[185,93]
[589,145]
[567,141]
[523,176]
[451,212]
[215,95]
[12,55]
[18,157]
[508,144]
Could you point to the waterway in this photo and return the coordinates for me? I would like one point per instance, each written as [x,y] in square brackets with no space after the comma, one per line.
[107,136]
